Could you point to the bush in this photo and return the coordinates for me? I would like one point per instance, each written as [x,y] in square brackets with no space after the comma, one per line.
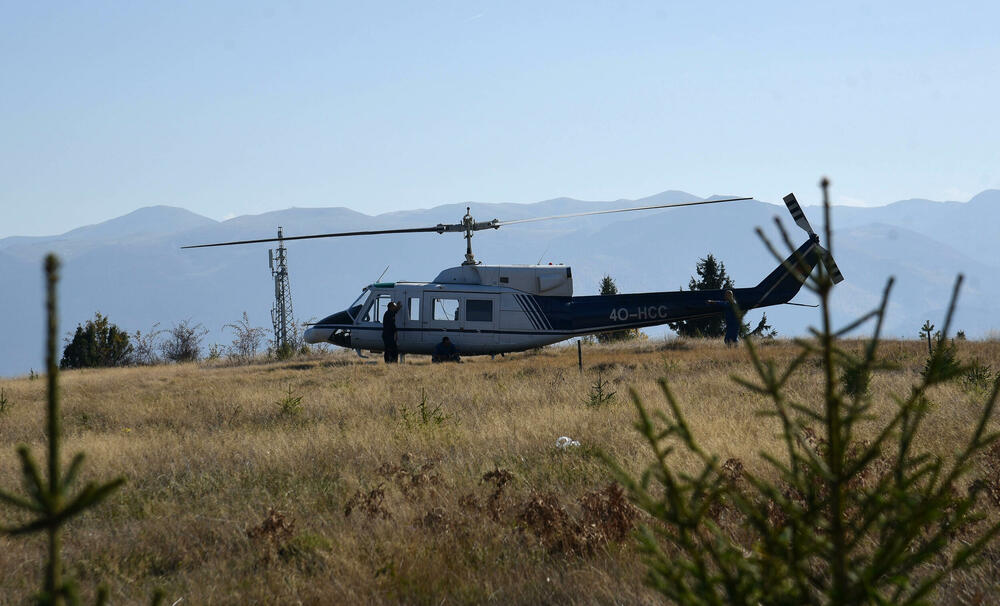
[96,344]
[145,346]
[847,521]
[285,352]
[183,342]
[978,377]
[246,339]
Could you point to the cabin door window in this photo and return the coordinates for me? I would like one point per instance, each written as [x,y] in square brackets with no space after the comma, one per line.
[413,309]
[445,309]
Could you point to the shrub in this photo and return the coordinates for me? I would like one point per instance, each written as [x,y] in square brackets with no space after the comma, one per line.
[98,343]
[246,339]
[978,377]
[855,380]
[284,352]
[183,342]
[847,521]
[145,346]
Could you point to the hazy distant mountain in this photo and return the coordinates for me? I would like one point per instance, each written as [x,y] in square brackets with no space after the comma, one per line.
[132,268]
[971,227]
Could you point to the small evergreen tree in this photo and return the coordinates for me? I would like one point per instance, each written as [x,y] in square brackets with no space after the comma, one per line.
[98,343]
[926,331]
[608,287]
[711,276]
[764,331]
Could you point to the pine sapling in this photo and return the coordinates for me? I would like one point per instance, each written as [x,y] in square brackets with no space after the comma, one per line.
[50,501]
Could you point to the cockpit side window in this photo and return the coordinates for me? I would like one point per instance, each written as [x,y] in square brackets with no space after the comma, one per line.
[376,307]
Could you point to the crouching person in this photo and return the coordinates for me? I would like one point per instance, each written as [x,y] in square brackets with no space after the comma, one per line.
[445,352]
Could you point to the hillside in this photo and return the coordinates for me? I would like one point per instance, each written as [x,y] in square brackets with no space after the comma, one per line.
[418,483]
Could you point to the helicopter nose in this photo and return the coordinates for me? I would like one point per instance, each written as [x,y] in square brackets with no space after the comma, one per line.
[337,336]
[317,335]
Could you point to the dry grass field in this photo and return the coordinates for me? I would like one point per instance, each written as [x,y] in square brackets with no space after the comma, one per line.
[336,480]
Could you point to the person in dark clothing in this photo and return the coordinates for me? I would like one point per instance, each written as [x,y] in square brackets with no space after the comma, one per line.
[445,352]
[389,333]
[733,320]
[733,315]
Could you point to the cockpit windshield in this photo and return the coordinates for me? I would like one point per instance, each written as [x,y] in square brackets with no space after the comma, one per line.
[377,304]
[356,306]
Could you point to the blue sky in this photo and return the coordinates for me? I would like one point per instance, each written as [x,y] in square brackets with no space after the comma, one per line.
[236,108]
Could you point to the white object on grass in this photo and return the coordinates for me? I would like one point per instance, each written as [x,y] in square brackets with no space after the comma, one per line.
[565,442]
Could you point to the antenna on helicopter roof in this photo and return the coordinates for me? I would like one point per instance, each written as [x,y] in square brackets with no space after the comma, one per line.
[543,254]
[281,314]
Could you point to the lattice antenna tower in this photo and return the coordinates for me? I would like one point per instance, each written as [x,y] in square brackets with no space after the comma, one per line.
[281,314]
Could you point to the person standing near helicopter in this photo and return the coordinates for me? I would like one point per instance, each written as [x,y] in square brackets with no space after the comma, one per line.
[733,315]
[389,335]
[734,320]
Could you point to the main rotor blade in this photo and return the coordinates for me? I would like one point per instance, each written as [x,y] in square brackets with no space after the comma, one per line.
[620,210]
[412,230]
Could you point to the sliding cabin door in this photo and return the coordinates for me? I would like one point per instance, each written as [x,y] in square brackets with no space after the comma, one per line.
[470,320]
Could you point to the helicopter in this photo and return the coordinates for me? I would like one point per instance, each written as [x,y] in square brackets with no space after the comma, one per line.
[496,309]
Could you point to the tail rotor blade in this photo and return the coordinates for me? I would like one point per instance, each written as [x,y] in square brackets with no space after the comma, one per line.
[831,265]
[797,214]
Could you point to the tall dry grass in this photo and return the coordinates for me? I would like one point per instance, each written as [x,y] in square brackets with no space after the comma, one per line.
[208,452]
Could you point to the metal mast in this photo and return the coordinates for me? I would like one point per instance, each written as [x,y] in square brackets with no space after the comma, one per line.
[281,313]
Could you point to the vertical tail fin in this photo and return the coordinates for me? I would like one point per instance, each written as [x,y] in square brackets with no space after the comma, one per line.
[787,279]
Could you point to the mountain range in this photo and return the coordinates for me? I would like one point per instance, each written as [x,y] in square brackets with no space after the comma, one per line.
[133,270]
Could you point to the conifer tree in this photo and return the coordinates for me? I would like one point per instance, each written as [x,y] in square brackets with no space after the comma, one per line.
[711,276]
[98,343]
[608,287]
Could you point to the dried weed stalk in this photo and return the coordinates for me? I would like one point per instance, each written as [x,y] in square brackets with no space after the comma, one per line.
[273,534]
